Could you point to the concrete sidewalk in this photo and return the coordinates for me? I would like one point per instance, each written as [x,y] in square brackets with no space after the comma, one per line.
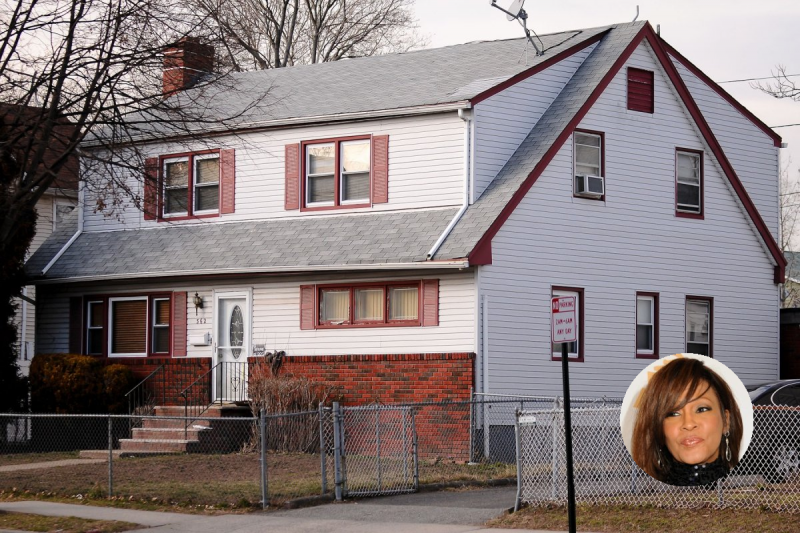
[145,518]
[50,464]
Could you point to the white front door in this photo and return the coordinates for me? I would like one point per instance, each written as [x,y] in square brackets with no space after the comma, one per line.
[232,346]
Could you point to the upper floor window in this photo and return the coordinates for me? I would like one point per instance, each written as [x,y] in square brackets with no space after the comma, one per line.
[61,210]
[191,185]
[588,150]
[337,173]
[641,90]
[689,183]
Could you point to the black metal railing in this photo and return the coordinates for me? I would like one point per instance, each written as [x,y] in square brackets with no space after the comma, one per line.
[223,382]
[197,396]
[143,397]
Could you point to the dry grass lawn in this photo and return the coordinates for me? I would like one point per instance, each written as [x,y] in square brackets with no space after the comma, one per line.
[61,524]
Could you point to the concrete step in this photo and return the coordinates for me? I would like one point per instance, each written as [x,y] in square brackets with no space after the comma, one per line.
[155,445]
[169,433]
[173,423]
[178,410]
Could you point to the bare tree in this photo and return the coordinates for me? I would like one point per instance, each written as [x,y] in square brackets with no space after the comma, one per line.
[261,34]
[781,85]
[77,71]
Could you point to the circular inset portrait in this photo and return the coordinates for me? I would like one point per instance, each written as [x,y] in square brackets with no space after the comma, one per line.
[686,420]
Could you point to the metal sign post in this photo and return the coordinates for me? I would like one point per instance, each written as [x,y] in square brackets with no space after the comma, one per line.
[564,330]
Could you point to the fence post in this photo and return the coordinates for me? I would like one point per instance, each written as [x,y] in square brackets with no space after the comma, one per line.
[487,408]
[110,459]
[555,463]
[416,448]
[471,425]
[404,414]
[378,445]
[323,459]
[337,451]
[262,422]
[518,441]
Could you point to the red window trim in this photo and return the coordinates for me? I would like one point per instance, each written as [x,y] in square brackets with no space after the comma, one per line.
[653,355]
[581,322]
[651,75]
[337,177]
[386,323]
[602,136]
[104,299]
[710,301]
[190,200]
[685,214]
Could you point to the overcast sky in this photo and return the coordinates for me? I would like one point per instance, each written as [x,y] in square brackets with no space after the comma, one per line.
[727,39]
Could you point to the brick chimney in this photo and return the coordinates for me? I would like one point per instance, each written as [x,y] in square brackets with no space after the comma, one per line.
[185,62]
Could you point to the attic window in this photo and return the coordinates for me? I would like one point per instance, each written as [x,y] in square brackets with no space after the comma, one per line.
[640,90]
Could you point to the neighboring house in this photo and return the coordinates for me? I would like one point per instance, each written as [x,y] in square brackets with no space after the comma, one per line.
[53,210]
[398,225]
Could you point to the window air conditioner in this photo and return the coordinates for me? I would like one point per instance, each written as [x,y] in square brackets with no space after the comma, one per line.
[589,186]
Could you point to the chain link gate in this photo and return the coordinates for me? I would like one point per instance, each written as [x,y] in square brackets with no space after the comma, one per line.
[377,450]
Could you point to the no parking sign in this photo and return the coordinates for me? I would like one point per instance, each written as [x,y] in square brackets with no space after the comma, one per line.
[562,319]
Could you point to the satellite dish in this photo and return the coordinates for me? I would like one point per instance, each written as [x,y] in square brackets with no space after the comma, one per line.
[513,10]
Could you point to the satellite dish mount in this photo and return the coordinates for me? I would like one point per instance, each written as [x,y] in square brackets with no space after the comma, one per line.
[515,12]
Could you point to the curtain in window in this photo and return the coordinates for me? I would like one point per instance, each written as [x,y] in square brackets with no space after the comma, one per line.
[334,306]
[403,303]
[129,327]
[369,304]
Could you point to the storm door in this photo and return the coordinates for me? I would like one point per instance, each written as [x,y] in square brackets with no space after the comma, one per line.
[232,346]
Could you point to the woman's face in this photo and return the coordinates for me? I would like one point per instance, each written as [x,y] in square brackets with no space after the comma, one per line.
[694,432]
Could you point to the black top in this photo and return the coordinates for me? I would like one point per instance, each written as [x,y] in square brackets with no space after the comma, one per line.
[685,475]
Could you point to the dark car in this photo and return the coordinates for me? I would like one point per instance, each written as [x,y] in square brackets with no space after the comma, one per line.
[774,450]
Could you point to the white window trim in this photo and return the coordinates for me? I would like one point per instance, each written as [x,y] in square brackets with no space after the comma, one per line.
[57,202]
[710,324]
[578,318]
[196,186]
[652,325]
[686,207]
[599,148]
[92,328]
[154,325]
[247,347]
[357,201]
[147,339]
[164,188]
[308,175]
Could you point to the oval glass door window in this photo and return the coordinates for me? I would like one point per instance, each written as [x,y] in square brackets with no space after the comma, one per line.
[236,331]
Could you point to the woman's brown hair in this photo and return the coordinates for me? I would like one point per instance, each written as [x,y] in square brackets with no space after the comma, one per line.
[669,389]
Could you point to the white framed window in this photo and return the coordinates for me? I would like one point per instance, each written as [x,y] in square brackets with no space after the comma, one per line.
[94,328]
[176,186]
[699,325]
[160,326]
[588,153]
[647,325]
[688,182]
[337,173]
[127,326]
[206,184]
[574,349]
[61,209]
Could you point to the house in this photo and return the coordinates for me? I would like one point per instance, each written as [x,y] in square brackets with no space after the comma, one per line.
[398,224]
[52,208]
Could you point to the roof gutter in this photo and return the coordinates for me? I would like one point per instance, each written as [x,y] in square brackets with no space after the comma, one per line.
[74,237]
[465,114]
[458,264]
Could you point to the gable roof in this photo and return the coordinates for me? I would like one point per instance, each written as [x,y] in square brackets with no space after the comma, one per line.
[418,81]
[395,238]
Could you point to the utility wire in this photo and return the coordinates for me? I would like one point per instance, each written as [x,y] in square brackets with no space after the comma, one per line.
[785,126]
[759,79]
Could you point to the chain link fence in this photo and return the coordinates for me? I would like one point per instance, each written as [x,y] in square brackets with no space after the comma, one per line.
[605,474]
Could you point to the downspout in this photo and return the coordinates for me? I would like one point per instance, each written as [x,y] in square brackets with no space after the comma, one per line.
[74,237]
[24,327]
[464,114]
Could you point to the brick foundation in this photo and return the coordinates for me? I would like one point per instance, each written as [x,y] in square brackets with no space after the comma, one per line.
[167,385]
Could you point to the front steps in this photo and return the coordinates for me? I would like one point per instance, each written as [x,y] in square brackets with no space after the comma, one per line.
[170,435]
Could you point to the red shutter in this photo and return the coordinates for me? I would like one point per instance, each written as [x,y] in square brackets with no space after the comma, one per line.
[292,188]
[179,324]
[75,324]
[150,188]
[227,181]
[380,169]
[640,90]
[307,306]
[430,302]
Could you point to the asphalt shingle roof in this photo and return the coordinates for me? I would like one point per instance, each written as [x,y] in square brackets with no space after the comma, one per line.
[430,76]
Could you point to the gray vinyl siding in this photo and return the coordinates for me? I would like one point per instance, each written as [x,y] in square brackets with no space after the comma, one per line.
[752,153]
[276,316]
[631,242]
[503,120]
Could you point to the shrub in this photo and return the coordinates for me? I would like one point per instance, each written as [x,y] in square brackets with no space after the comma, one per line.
[71,384]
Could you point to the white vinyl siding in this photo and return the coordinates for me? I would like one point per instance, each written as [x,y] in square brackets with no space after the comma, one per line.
[751,152]
[276,318]
[503,120]
[633,242]
[426,170]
